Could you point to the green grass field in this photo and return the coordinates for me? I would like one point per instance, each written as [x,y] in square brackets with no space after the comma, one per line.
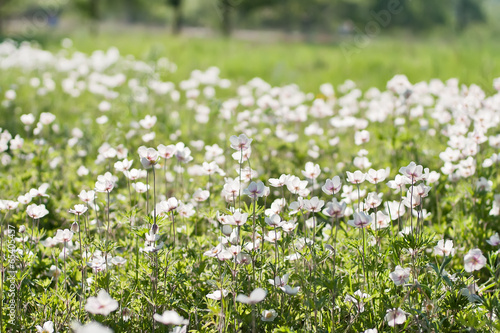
[474,58]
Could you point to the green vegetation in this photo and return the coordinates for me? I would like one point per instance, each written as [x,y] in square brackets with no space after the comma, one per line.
[474,58]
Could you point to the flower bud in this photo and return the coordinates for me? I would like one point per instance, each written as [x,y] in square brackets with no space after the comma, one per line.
[154,229]
[227,230]
[75,227]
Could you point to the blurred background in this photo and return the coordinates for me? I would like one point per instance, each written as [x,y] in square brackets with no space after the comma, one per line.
[303,41]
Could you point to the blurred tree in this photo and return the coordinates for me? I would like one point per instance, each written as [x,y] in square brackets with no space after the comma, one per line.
[177,21]
[468,11]
[91,10]
[3,4]
[226,9]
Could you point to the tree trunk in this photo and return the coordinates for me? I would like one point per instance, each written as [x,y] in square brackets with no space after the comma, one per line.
[177,23]
[461,16]
[94,16]
[226,17]
[2,3]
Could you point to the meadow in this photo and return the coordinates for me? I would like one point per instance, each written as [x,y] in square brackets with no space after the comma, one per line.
[179,185]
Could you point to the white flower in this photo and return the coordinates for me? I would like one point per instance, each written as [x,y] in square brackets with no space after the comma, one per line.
[63,236]
[255,296]
[332,186]
[312,171]
[92,327]
[255,190]
[217,295]
[48,327]
[170,318]
[36,211]
[356,177]
[290,290]
[78,209]
[494,240]
[400,275]
[87,196]
[444,248]
[361,220]
[395,317]
[102,304]
[241,142]
[269,315]
[474,260]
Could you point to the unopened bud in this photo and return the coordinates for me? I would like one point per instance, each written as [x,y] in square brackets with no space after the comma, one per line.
[227,230]
[75,227]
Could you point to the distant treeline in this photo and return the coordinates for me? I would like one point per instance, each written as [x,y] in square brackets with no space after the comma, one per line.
[306,16]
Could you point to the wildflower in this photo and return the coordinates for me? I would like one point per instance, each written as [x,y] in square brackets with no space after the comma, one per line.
[279,182]
[332,186]
[313,205]
[483,184]
[242,155]
[414,172]
[149,156]
[170,318]
[166,152]
[36,211]
[124,165]
[183,153]
[8,204]
[24,199]
[395,209]
[87,196]
[39,192]
[400,275]
[118,261]
[395,317]
[241,142]
[274,221]
[361,220]
[361,137]
[357,300]
[63,236]
[78,209]
[48,327]
[102,304]
[494,240]
[356,177]
[255,190]
[335,208]
[166,206]
[148,122]
[255,297]
[312,171]
[201,195]
[398,183]
[273,236]
[373,200]
[269,315]
[279,281]
[92,327]
[217,295]
[444,248]
[380,220]
[290,290]
[411,201]
[105,183]
[474,260]
[140,187]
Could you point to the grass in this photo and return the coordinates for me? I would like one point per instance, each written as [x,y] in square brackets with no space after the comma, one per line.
[474,58]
